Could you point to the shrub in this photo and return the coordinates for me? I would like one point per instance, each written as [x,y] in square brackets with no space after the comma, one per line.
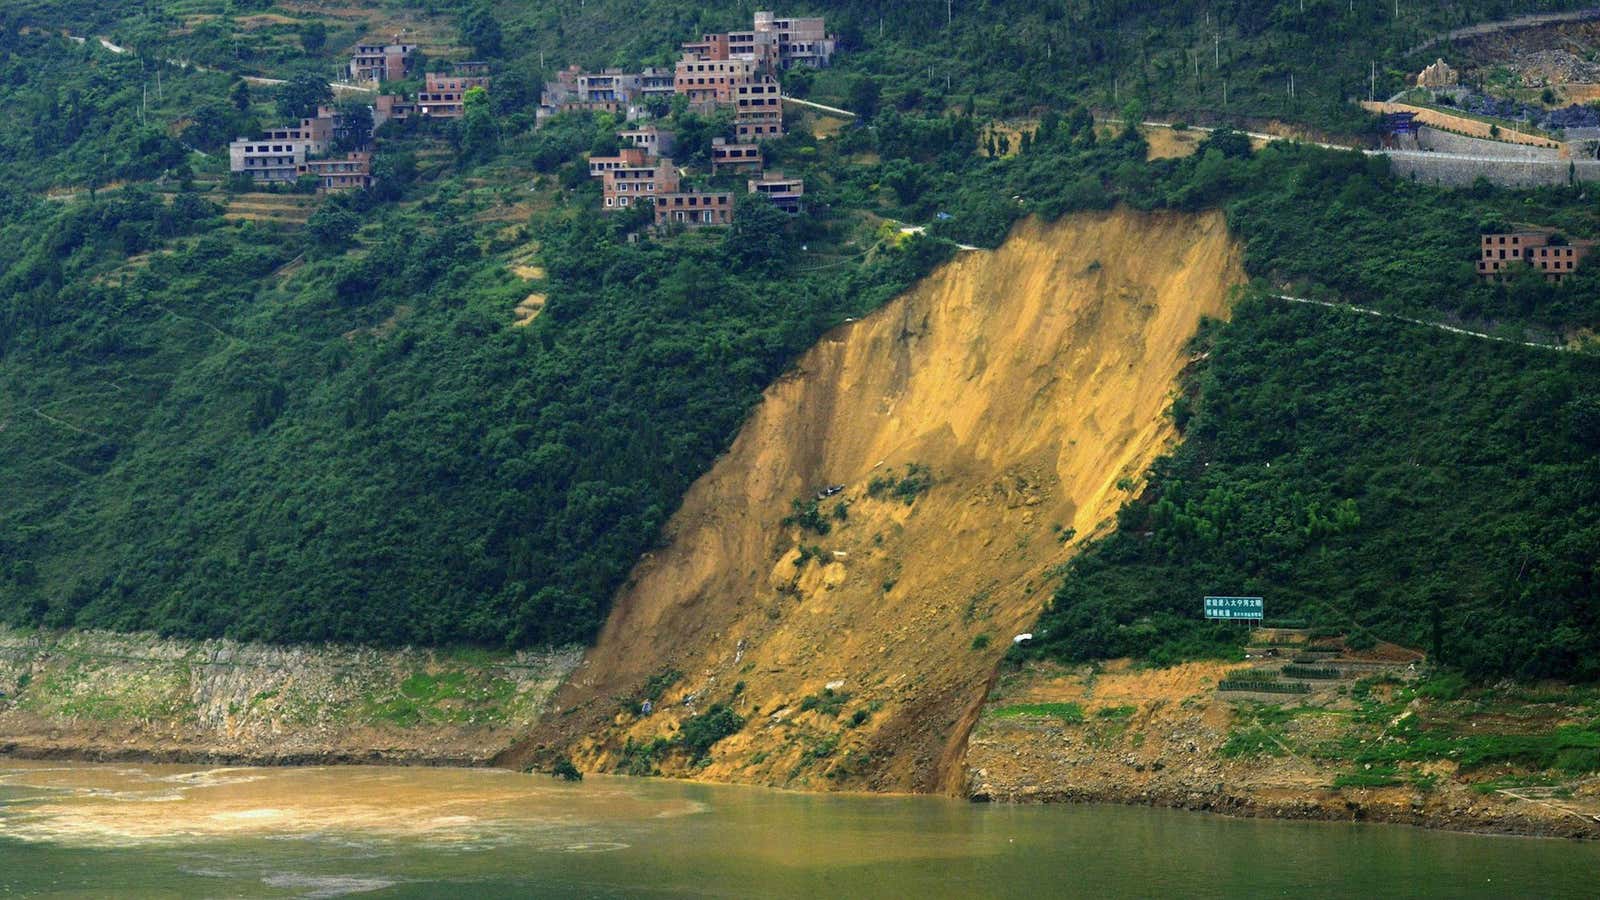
[701,731]
[905,488]
[565,770]
[829,703]
[807,515]
[1066,712]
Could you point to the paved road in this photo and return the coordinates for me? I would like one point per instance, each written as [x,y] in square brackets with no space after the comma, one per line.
[1528,21]
[1559,348]
[833,109]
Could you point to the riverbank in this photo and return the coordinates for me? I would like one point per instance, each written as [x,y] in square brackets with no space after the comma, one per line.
[98,696]
[1378,749]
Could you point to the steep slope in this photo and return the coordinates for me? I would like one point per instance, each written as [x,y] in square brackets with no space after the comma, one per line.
[1031,383]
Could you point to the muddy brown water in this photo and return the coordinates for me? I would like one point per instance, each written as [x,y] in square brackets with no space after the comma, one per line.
[153,831]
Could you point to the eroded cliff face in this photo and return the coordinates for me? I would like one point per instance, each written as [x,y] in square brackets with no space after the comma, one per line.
[1032,384]
[102,696]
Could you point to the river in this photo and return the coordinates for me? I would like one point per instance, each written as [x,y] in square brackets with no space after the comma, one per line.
[133,830]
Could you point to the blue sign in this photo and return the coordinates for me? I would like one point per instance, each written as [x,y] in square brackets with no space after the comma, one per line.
[1235,608]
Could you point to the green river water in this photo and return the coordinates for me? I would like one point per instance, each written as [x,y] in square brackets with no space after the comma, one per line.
[157,831]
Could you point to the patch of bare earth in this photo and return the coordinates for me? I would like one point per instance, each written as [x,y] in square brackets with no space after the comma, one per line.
[1029,382]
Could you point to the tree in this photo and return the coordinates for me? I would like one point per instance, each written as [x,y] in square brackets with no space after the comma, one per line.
[240,95]
[332,226]
[352,125]
[480,30]
[480,133]
[1231,144]
[300,96]
[758,238]
[907,179]
[864,94]
[313,36]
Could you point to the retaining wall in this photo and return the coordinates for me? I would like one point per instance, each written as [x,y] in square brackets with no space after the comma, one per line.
[1446,142]
[1453,170]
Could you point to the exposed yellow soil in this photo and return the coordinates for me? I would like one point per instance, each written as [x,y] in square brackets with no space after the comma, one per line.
[283,208]
[1011,132]
[824,127]
[528,310]
[1168,144]
[1030,381]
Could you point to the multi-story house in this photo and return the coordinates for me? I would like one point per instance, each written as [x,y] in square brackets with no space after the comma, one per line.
[352,172]
[734,156]
[627,157]
[377,63]
[694,209]
[611,90]
[649,138]
[758,110]
[625,186]
[711,82]
[1534,248]
[444,96]
[278,154]
[801,41]
[785,193]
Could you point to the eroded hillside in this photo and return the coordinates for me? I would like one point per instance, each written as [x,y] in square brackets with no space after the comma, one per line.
[1031,384]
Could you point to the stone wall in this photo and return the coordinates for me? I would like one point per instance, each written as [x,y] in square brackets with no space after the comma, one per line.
[1446,142]
[1453,170]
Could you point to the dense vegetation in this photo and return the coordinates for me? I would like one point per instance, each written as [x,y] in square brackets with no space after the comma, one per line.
[1372,477]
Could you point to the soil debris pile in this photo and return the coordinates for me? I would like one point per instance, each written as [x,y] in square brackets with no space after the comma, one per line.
[834,595]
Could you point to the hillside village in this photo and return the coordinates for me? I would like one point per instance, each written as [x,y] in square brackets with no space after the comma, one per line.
[332,151]
[737,73]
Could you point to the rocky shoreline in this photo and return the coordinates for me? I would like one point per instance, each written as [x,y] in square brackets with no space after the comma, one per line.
[1166,737]
[1457,814]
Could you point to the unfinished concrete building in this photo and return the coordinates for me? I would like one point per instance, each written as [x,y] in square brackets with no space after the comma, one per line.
[694,209]
[786,194]
[377,63]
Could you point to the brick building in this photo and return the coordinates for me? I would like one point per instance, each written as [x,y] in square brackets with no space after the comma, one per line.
[391,108]
[627,157]
[738,157]
[694,209]
[1499,251]
[377,63]
[758,110]
[625,186]
[774,42]
[352,172]
[785,193]
[279,153]
[711,82]
[444,96]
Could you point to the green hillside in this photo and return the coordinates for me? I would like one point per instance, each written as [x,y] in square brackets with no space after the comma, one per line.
[289,418]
